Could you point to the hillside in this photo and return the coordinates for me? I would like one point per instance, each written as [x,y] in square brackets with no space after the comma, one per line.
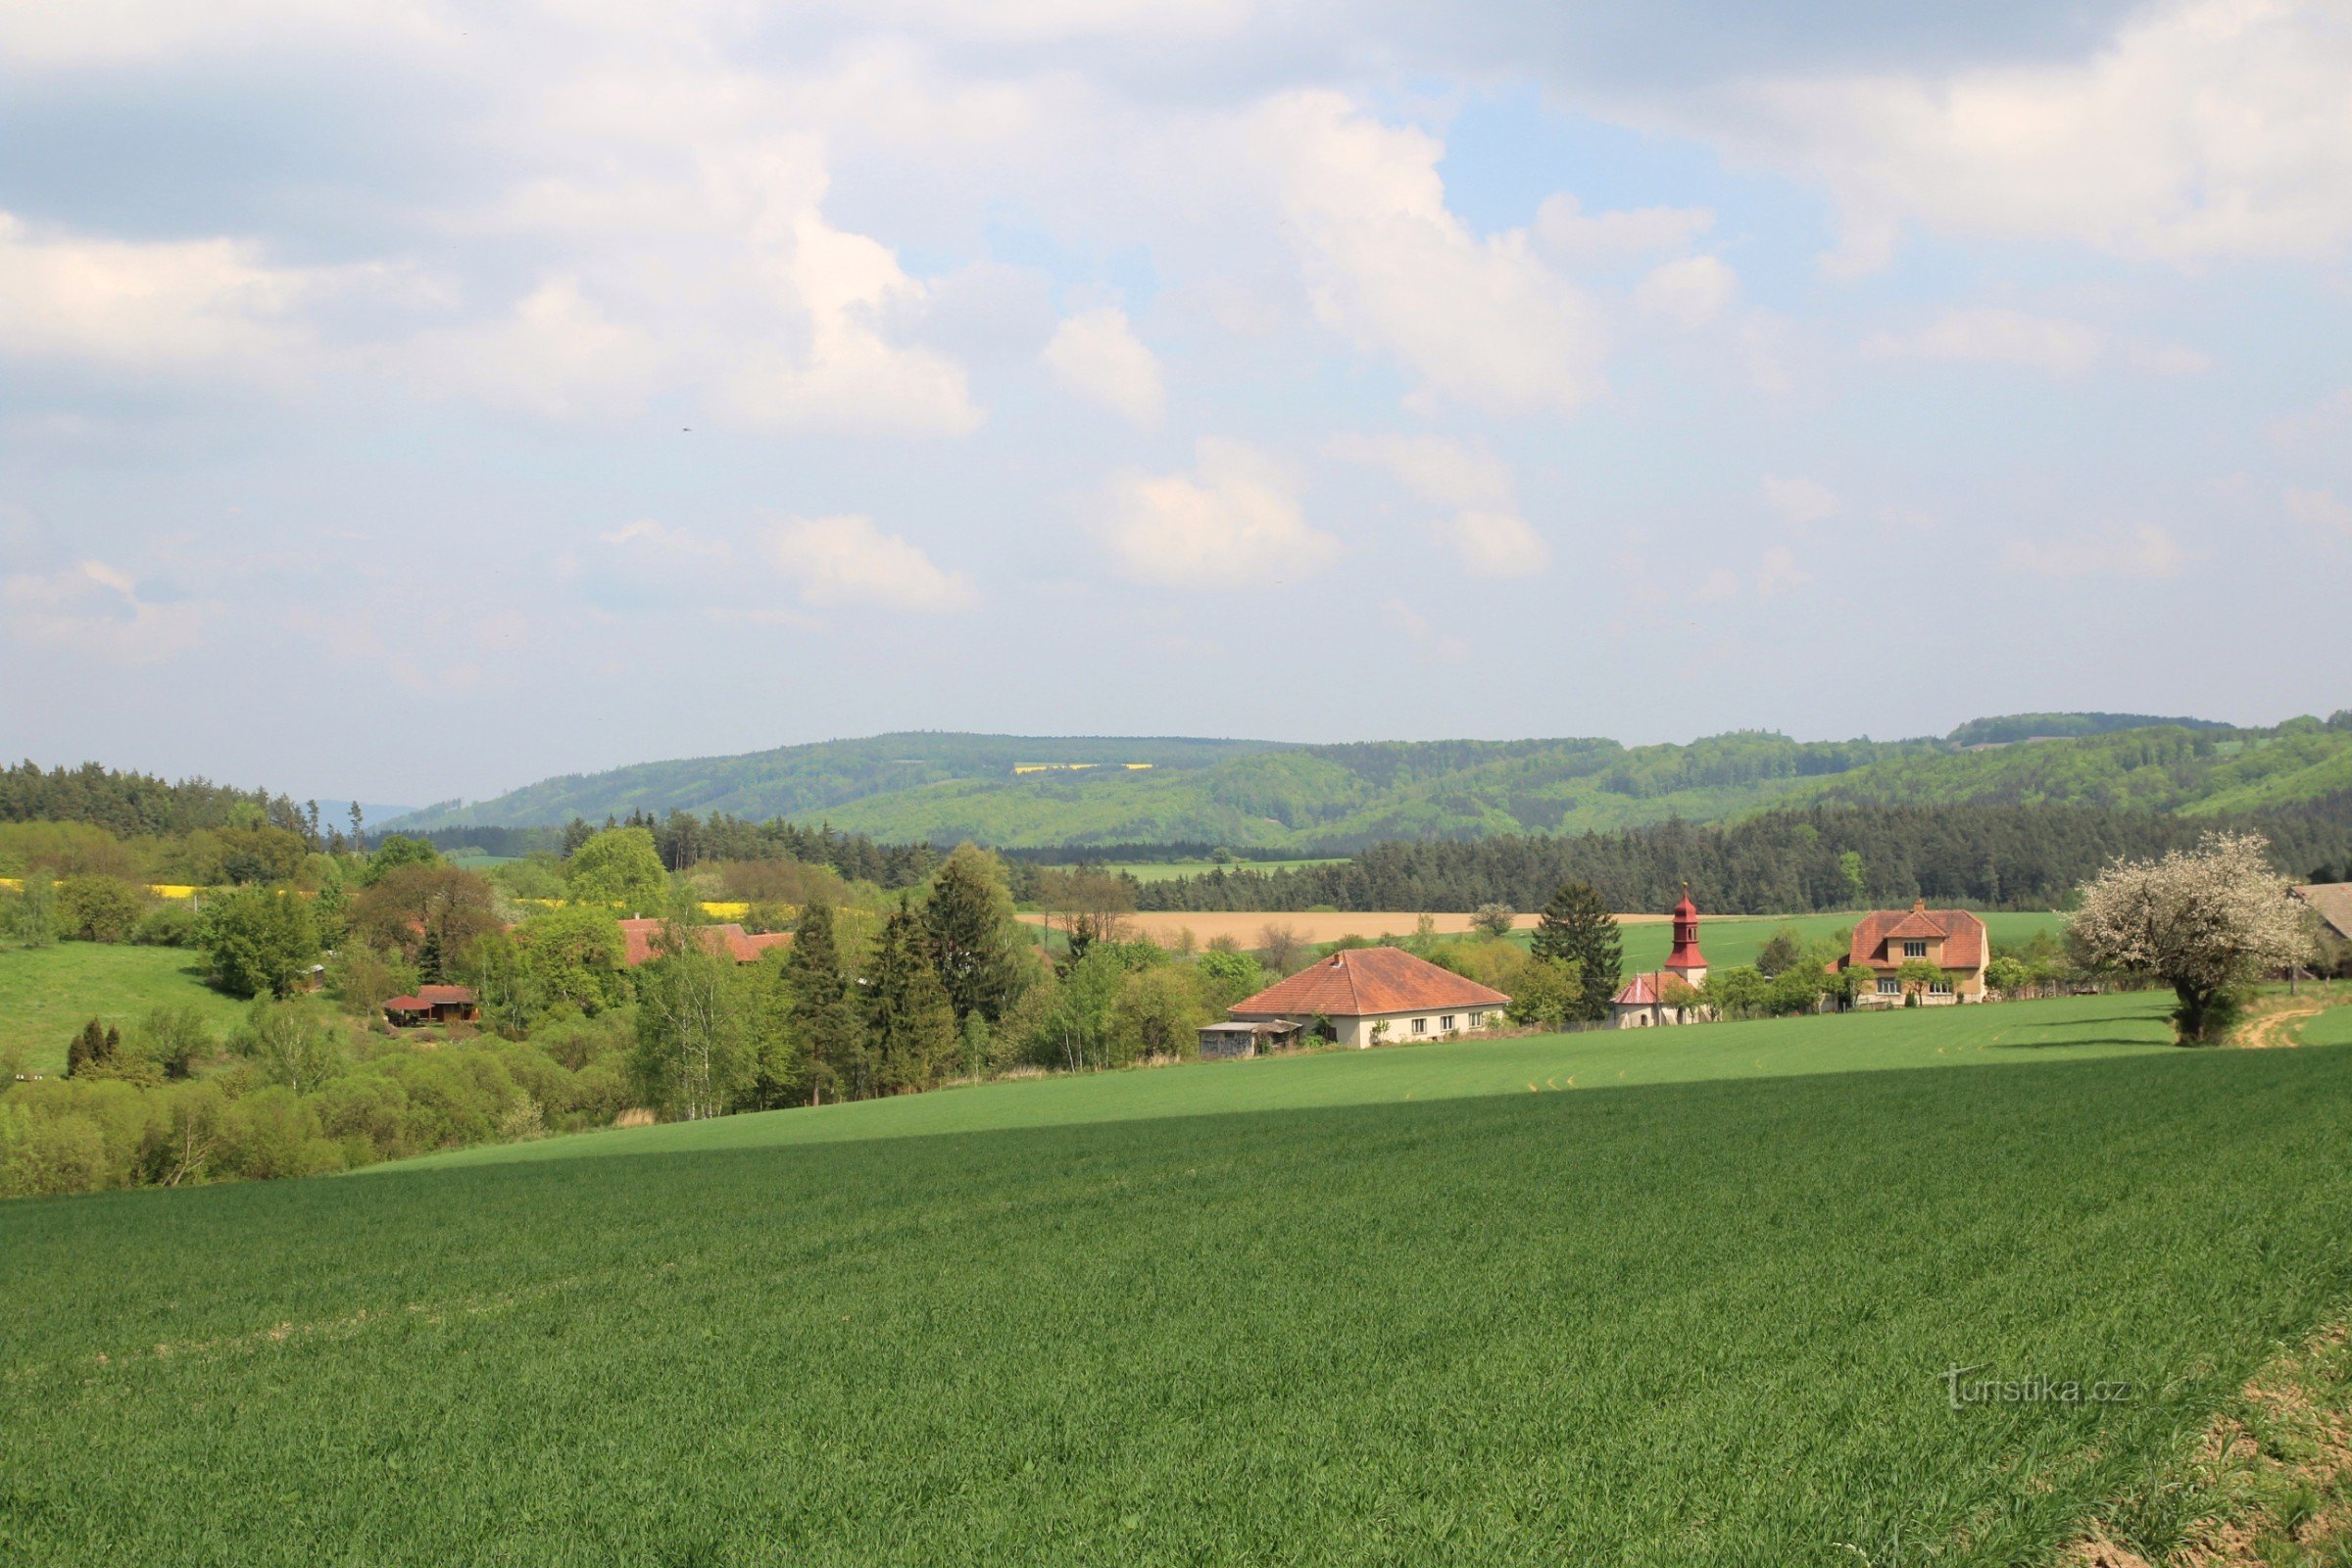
[1332,798]
[1355,1308]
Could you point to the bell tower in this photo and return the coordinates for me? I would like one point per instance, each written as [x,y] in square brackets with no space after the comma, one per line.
[1686,962]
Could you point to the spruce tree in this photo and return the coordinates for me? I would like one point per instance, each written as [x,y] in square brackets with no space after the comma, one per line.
[87,1051]
[1576,926]
[912,1025]
[967,920]
[429,958]
[832,1034]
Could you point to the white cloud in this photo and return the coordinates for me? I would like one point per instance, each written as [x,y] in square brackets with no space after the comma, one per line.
[2207,128]
[1421,634]
[1234,522]
[662,539]
[2060,348]
[1569,234]
[1718,586]
[2329,420]
[2321,512]
[1688,293]
[1801,503]
[1392,269]
[1097,356]
[1484,529]
[1495,543]
[847,560]
[2143,551]
[1780,573]
[94,608]
[179,305]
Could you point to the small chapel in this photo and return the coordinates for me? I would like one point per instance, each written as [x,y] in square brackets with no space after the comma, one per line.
[1667,995]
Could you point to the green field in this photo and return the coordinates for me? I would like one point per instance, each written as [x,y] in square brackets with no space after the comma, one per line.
[1168,870]
[47,994]
[2330,1028]
[1692,1322]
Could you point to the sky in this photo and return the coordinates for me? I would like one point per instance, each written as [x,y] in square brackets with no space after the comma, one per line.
[408,400]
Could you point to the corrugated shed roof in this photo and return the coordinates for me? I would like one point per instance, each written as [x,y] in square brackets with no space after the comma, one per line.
[1357,982]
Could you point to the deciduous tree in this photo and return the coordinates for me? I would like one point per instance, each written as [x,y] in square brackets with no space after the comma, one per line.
[620,866]
[2207,921]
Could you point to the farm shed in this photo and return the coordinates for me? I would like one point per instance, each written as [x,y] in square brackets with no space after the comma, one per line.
[1225,1041]
[1373,996]
[434,1004]
[726,941]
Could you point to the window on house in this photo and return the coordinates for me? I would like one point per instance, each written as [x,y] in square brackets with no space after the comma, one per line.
[1940,988]
[1420,1026]
[1915,949]
[1478,1021]
[1889,987]
[1446,1023]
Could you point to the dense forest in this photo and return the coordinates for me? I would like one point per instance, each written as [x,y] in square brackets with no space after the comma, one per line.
[1820,858]
[140,805]
[1013,793]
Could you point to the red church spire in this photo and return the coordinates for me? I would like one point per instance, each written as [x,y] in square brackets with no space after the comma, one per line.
[1686,960]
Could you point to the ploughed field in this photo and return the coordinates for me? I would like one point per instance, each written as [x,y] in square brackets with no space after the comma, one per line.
[1677,1322]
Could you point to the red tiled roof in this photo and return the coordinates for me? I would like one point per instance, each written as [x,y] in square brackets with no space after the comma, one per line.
[402,1005]
[445,996]
[1642,991]
[1963,936]
[637,941]
[1359,982]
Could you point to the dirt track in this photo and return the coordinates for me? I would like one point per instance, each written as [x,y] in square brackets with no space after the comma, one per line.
[2277,1028]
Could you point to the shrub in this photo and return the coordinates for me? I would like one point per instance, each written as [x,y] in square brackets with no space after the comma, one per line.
[259,939]
[167,925]
[99,909]
[47,1156]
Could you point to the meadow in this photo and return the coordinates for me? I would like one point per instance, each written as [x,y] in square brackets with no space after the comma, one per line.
[1684,1322]
[47,994]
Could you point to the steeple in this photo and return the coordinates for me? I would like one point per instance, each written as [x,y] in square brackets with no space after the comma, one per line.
[1686,961]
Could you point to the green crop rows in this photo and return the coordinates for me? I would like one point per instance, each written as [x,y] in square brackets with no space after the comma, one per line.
[1697,1322]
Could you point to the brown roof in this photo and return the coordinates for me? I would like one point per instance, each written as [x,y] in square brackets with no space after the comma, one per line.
[1963,936]
[1358,982]
[445,996]
[637,941]
[2333,900]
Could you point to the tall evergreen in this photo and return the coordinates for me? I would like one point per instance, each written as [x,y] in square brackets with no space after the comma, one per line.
[88,1050]
[832,1034]
[1576,925]
[967,921]
[914,1026]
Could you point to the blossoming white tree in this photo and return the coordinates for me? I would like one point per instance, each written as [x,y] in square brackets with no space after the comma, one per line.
[2206,921]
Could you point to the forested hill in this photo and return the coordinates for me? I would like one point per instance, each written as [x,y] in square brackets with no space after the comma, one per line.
[1018,792]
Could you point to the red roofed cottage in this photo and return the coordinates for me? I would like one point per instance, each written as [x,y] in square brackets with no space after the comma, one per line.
[1951,940]
[637,941]
[1376,996]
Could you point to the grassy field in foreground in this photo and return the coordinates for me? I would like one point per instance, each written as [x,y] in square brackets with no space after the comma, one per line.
[1693,1323]
[2007,1033]
[47,994]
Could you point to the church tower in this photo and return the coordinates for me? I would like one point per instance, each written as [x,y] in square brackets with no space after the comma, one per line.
[1686,962]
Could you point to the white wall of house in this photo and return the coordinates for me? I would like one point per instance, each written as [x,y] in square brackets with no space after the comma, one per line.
[1397,1028]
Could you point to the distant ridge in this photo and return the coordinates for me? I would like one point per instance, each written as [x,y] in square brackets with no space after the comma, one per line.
[1266,795]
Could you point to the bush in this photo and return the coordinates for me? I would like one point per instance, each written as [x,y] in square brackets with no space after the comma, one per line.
[167,925]
[260,941]
[44,1156]
[99,909]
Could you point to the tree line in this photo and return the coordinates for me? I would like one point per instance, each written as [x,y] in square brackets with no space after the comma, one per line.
[1823,858]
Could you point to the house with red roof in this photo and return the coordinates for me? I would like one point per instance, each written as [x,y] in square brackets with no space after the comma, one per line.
[1666,994]
[1951,940]
[1375,996]
[434,1004]
[730,941]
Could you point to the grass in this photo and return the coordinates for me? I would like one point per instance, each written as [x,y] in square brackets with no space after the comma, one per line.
[2333,1027]
[1681,1323]
[2077,1027]
[47,994]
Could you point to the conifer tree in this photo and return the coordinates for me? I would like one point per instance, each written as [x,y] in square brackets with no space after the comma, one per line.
[87,1051]
[912,1025]
[1576,927]
[831,1033]
[967,921]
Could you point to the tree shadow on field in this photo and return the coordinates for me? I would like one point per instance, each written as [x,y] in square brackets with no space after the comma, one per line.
[2065,1039]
